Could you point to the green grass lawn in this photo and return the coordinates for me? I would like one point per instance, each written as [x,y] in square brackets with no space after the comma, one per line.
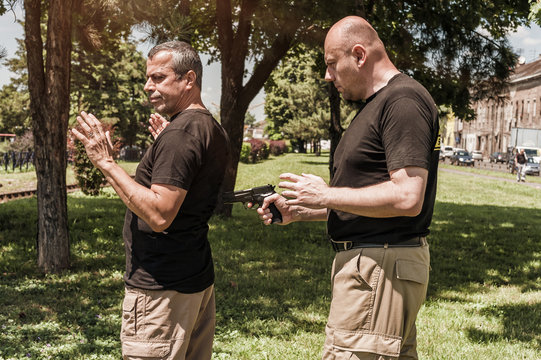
[272,283]
[17,180]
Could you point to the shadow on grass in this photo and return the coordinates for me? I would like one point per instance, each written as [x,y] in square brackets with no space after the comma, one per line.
[270,281]
[484,245]
[72,313]
[520,322]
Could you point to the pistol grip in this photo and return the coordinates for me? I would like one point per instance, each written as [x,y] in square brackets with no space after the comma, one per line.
[276,215]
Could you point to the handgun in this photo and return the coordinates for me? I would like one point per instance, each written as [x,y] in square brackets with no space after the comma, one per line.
[255,195]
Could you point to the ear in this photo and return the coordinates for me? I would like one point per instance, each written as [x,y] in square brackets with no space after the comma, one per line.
[191,78]
[359,52]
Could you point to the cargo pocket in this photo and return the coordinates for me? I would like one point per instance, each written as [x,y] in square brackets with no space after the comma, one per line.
[364,344]
[411,271]
[129,314]
[146,349]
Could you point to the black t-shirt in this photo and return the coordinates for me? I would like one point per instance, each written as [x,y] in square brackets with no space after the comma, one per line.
[521,158]
[397,127]
[191,153]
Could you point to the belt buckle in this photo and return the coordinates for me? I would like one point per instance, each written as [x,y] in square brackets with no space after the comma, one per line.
[346,244]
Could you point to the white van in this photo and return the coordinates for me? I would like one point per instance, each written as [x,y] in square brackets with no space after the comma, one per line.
[532,152]
[446,151]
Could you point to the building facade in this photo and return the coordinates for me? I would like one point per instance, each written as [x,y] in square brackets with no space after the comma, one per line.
[519,107]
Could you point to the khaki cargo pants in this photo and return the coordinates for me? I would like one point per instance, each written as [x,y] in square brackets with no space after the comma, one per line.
[166,324]
[376,295]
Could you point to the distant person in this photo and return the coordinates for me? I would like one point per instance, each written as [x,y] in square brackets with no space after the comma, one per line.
[379,204]
[169,308]
[520,161]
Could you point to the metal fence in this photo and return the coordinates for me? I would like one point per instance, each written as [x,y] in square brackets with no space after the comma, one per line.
[12,160]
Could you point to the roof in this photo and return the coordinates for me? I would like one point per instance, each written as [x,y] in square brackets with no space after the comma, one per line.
[526,71]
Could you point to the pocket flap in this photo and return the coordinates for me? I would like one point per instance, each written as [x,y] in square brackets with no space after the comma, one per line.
[129,302]
[411,271]
[154,349]
[358,341]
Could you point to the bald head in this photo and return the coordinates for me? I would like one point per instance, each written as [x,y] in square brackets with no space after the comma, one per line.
[356,60]
[353,30]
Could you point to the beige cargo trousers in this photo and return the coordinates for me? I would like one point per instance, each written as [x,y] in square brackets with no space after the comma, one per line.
[376,295]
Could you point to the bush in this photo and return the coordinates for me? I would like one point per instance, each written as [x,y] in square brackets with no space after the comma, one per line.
[277,147]
[259,150]
[89,178]
[245,152]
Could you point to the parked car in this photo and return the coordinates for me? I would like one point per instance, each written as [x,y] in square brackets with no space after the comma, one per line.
[498,157]
[477,155]
[462,157]
[446,152]
[532,167]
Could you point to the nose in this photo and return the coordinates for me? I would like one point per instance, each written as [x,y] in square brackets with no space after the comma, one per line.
[328,76]
[149,85]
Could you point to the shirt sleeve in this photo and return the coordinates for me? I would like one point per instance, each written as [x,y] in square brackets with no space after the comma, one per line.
[177,159]
[407,133]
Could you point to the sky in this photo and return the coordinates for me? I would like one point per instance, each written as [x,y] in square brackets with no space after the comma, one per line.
[526,42]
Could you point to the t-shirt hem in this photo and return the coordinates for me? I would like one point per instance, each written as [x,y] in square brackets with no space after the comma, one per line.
[425,164]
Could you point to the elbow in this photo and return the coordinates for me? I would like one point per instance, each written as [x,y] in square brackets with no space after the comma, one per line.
[410,206]
[159,225]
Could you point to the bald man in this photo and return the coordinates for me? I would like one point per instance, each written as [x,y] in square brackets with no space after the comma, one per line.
[379,204]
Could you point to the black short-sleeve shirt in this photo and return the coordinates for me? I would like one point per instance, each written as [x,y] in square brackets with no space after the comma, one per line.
[191,153]
[397,127]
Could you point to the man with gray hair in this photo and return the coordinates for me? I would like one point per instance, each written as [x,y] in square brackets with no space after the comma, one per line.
[169,308]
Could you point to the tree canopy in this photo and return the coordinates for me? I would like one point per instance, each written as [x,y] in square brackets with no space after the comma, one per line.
[535,11]
[297,98]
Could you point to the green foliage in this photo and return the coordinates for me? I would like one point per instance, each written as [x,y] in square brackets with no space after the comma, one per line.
[535,11]
[109,83]
[458,49]
[272,282]
[89,178]
[249,119]
[245,152]
[297,99]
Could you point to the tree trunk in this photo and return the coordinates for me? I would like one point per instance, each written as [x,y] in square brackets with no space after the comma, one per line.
[236,96]
[49,107]
[335,128]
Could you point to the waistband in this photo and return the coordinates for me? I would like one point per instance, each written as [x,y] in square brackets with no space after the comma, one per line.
[348,245]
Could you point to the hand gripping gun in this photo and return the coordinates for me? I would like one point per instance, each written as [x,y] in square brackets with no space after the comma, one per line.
[255,195]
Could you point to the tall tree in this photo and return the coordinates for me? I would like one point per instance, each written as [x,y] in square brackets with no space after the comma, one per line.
[49,89]
[49,107]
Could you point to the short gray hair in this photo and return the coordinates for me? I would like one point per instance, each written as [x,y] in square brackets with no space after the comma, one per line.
[185,58]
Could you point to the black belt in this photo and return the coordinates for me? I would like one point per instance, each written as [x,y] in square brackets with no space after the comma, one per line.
[348,245]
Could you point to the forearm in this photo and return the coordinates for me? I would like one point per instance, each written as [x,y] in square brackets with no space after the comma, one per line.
[141,200]
[302,213]
[379,201]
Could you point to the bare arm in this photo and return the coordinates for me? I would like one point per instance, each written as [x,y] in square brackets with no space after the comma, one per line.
[402,195]
[157,206]
[290,213]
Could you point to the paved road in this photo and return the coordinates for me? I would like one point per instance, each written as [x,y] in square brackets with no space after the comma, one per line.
[456,171]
